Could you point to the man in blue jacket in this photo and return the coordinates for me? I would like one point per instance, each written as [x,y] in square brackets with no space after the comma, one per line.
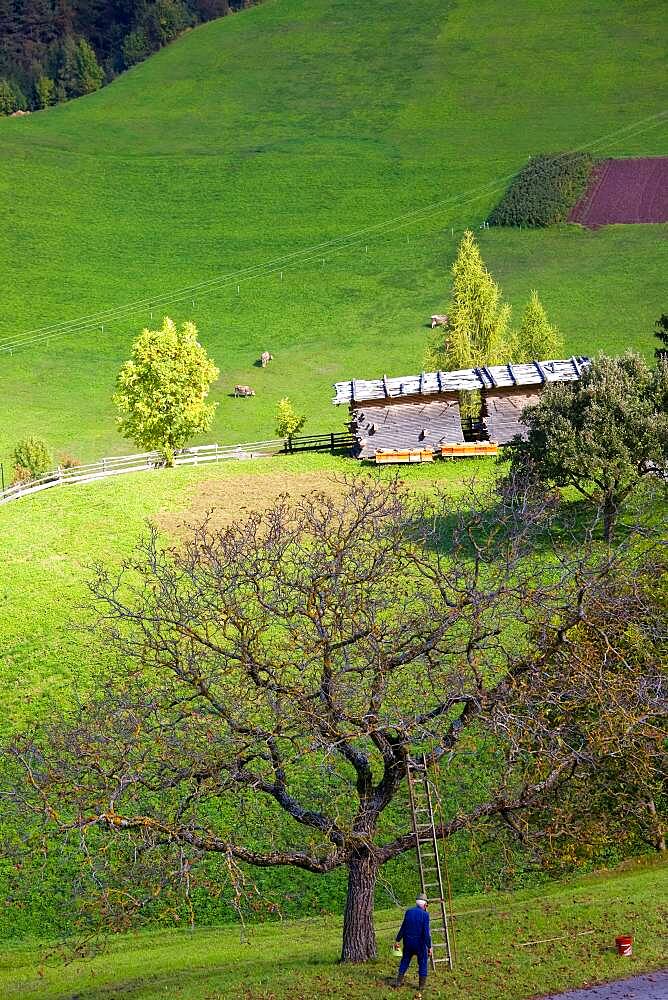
[414,932]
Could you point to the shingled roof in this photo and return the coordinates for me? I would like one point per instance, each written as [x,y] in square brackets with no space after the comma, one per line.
[485,377]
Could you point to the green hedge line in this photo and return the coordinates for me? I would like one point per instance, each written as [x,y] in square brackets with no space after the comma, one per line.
[544,191]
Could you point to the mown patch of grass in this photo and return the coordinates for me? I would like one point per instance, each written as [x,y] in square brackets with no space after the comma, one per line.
[286,126]
[574,923]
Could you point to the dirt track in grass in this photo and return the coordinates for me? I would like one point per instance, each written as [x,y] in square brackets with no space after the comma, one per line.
[625,191]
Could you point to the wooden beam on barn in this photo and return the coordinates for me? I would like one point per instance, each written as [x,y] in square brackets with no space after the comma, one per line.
[439,382]
[489,375]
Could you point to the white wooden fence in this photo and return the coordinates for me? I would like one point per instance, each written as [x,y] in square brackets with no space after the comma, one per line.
[145,462]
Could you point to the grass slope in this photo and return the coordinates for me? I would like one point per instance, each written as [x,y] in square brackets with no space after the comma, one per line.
[288,125]
[49,542]
[293,961]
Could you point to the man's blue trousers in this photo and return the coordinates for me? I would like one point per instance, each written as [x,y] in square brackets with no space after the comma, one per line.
[422,955]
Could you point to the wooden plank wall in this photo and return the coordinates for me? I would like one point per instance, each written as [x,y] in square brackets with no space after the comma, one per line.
[420,423]
[502,409]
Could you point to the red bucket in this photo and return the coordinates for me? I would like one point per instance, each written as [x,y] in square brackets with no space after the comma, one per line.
[624,945]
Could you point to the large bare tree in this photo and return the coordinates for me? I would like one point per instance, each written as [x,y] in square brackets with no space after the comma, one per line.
[294,664]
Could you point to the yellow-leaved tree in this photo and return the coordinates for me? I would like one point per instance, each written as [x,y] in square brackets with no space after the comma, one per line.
[288,421]
[162,389]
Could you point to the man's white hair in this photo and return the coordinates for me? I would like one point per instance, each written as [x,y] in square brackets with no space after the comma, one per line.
[421,901]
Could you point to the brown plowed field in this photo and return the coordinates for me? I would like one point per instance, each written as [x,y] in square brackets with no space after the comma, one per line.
[634,190]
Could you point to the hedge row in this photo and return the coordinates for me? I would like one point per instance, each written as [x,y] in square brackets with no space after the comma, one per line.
[544,191]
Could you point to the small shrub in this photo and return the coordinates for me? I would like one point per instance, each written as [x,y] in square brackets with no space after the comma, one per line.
[20,475]
[67,461]
[288,421]
[33,454]
[544,191]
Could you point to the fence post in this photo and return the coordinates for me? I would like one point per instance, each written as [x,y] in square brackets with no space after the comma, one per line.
[2,476]
[331,438]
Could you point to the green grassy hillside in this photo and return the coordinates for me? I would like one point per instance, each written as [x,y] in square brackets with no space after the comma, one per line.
[289,125]
[509,948]
[49,543]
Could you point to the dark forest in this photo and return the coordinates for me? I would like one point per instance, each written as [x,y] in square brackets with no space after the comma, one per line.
[54,50]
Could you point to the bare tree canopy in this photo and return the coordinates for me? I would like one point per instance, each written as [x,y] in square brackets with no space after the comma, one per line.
[295,662]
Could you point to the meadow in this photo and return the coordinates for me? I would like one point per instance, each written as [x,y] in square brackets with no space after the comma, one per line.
[51,541]
[508,948]
[290,125]
[262,135]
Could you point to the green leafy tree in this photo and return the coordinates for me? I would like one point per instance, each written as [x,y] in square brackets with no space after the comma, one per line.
[89,76]
[66,73]
[136,47]
[33,455]
[162,389]
[168,19]
[661,334]
[288,421]
[7,105]
[600,435]
[44,91]
[12,98]
[536,338]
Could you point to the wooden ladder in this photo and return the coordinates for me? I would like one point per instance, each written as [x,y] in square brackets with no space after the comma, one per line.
[427,816]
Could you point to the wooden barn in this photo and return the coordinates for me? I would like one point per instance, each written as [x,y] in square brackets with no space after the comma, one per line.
[421,412]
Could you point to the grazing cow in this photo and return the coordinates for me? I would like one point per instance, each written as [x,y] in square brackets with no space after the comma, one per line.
[265,358]
[439,320]
[243,390]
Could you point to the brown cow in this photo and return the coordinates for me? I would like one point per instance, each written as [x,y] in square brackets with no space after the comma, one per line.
[243,390]
[265,358]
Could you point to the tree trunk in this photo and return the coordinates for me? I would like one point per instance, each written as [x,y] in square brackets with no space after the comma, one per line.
[659,838]
[359,936]
[609,516]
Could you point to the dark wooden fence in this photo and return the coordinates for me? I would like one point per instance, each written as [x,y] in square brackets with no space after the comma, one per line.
[473,429]
[335,441]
